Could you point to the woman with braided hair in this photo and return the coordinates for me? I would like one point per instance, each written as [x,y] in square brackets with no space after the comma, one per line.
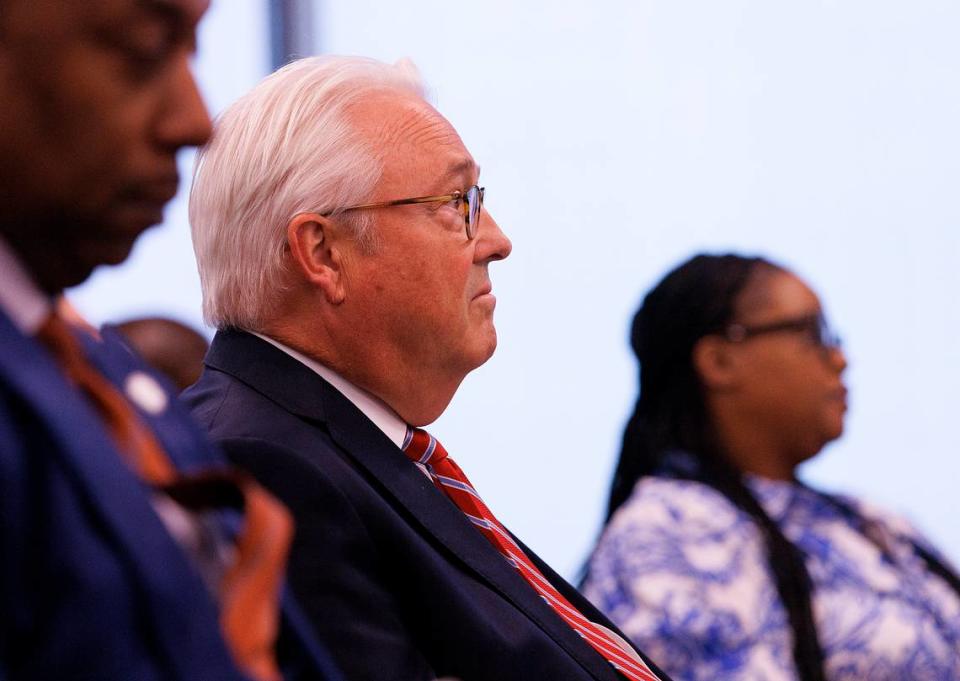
[714,557]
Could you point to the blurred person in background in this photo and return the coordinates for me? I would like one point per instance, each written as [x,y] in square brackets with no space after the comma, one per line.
[171,347]
[344,255]
[117,565]
[715,558]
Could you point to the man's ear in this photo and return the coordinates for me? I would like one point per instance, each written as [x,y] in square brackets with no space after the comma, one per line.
[715,362]
[316,254]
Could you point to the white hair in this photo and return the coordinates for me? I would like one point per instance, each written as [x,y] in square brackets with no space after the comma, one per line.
[287,147]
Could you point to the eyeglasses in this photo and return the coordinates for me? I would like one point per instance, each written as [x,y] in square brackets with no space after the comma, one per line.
[468,203]
[813,326]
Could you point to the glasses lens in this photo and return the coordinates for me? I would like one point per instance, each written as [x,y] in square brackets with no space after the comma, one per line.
[827,337]
[474,199]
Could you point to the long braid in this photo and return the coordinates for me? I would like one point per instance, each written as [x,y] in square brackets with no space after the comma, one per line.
[938,566]
[694,300]
[786,563]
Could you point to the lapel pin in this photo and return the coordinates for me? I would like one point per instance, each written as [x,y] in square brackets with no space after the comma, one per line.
[144,391]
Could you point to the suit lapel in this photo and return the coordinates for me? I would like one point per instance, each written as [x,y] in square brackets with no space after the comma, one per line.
[586,608]
[182,440]
[301,391]
[189,449]
[117,498]
[442,519]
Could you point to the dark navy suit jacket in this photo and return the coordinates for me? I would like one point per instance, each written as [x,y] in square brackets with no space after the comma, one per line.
[92,586]
[395,579]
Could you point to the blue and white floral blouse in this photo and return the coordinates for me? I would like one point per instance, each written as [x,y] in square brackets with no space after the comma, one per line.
[684,573]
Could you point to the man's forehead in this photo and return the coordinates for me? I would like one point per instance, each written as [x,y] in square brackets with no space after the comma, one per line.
[393,115]
[402,121]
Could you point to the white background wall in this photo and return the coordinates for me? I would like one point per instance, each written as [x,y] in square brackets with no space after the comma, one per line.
[617,138]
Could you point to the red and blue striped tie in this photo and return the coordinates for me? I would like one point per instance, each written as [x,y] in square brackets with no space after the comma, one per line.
[422,448]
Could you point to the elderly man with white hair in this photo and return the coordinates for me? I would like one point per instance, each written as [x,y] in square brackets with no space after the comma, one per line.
[344,252]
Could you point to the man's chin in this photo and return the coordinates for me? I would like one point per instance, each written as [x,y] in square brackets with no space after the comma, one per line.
[91,255]
[111,250]
[832,430]
[61,250]
[54,277]
[485,348]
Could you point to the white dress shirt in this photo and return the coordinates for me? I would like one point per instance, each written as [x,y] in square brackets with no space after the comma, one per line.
[20,298]
[375,409]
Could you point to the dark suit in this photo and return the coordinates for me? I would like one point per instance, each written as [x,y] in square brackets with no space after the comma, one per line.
[93,586]
[396,580]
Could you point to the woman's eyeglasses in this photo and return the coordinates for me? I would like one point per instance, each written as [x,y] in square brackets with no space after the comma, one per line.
[813,326]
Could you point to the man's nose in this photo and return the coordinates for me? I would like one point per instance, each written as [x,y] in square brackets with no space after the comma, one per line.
[183,120]
[492,243]
[837,358]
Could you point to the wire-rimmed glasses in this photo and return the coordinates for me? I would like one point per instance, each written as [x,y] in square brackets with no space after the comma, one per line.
[469,203]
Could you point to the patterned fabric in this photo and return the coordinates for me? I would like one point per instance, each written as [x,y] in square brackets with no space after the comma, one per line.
[684,573]
[422,448]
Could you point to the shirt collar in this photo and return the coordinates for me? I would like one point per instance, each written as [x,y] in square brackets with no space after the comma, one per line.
[20,297]
[373,408]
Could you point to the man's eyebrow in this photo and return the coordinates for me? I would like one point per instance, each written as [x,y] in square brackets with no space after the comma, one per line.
[182,12]
[179,17]
[460,168]
[170,8]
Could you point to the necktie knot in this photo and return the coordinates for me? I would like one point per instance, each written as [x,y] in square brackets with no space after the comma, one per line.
[421,447]
[55,334]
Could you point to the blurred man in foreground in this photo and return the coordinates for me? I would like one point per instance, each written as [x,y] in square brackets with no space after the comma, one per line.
[116,564]
[343,251]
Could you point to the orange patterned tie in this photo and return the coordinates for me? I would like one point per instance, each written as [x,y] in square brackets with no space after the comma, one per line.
[250,589]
